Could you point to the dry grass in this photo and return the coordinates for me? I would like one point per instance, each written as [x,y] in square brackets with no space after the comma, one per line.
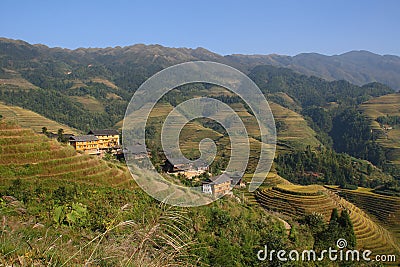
[14,79]
[78,84]
[113,96]
[17,82]
[298,133]
[300,189]
[381,106]
[158,240]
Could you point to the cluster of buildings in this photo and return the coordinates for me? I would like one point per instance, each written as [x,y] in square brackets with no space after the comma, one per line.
[95,141]
[215,185]
[189,170]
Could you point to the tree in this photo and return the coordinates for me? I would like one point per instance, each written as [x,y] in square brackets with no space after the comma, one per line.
[375,154]
[316,223]
[150,132]
[44,130]
[338,227]
[346,229]
[281,126]
[351,132]
[321,118]
[60,135]
[334,216]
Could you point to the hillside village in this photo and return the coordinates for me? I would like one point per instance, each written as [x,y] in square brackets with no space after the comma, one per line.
[98,142]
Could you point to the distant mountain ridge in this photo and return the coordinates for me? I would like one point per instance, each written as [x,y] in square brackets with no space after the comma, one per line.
[357,67]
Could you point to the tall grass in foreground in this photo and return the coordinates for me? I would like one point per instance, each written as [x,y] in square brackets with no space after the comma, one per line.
[161,239]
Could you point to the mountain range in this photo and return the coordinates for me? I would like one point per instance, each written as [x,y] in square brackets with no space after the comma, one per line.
[357,67]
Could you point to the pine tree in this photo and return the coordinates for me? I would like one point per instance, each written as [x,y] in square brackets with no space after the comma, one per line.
[334,216]
[60,135]
[346,229]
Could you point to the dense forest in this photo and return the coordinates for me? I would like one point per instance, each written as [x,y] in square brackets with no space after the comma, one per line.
[325,166]
[313,91]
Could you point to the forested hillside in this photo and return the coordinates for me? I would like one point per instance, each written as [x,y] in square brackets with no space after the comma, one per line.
[91,87]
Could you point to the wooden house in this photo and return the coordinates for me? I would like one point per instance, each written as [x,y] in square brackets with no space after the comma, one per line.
[107,138]
[85,143]
[217,185]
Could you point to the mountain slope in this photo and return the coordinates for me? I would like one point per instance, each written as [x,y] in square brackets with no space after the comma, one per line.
[88,88]
[388,134]
[358,67]
[313,91]
[295,200]
[27,155]
[29,119]
[63,208]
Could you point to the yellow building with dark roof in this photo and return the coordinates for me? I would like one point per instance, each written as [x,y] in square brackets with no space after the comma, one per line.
[106,138]
[85,143]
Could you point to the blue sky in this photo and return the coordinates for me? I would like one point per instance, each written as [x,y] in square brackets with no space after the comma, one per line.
[226,27]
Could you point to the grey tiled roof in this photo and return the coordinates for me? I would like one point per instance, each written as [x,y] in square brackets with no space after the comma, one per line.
[104,132]
[220,179]
[83,138]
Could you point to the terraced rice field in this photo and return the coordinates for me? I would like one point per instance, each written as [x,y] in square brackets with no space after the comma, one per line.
[294,200]
[190,136]
[271,179]
[298,133]
[27,155]
[194,132]
[89,102]
[13,80]
[33,120]
[383,209]
[382,106]
[104,81]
